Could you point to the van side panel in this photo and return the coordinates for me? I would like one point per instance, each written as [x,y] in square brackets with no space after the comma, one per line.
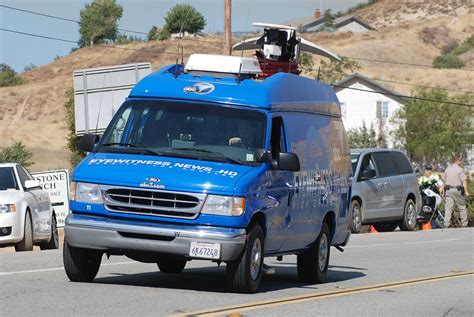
[322,184]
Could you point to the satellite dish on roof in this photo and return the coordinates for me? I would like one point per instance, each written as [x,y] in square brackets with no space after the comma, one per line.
[279,47]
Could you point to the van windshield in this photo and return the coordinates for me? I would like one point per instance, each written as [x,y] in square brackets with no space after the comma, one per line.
[189,130]
[354,161]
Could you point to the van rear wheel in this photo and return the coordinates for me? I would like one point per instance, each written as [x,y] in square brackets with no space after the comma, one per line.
[245,273]
[313,264]
[81,265]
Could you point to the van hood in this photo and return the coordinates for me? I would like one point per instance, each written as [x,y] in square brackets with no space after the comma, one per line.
[160,172]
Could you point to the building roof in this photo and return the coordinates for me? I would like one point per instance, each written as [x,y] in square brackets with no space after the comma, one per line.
[308,23]
[357,77]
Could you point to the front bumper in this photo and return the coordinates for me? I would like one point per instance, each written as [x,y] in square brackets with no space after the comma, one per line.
[11,220]
[102,233]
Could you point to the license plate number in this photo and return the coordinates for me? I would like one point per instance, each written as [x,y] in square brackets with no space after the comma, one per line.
[205,250]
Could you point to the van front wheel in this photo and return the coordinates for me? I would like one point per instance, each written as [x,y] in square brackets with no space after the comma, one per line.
[409,216]
[313,264]
[81,265]
[245,273]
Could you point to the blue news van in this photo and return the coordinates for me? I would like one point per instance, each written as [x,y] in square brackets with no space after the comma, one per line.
[212,165]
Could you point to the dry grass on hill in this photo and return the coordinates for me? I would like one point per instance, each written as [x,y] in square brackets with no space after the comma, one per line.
[411,33]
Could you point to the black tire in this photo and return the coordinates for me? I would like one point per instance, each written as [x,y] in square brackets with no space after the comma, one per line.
[53,242]
[313,264]
[81,265]
[245,273]
[355,213]
[171,264]
[385,227]
[26,244]
[409,222]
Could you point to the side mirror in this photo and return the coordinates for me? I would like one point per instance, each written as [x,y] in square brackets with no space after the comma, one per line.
[287,162]
[88,142]
[367,174]
[262,155]
[29,184]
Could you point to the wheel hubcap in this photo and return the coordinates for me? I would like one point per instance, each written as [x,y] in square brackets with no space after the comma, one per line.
[255,259]
[323,252]
[356,217]
[411,214]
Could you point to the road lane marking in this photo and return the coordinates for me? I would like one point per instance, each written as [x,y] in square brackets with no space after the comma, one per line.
[403,243]
[237,309]
[56,269]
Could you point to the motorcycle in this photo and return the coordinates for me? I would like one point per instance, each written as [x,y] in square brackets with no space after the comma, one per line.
[430,201]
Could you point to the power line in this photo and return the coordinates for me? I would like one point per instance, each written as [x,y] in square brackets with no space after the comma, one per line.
[407,97]
[100,45]
[37,35]
[424,86]
[403,63]
[61,18]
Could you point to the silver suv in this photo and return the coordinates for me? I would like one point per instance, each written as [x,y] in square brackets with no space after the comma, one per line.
[385,190]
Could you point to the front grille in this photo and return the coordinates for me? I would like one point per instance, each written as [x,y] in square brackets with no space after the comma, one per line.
[153,202]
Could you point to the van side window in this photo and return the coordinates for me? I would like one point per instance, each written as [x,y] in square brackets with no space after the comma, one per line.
[404,166]
[366,165]
[385,164]
[277,141]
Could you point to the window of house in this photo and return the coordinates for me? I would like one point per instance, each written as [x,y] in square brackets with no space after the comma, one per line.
[385,109]
[343,109]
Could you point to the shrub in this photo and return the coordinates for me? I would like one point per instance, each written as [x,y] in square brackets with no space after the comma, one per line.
[448,61]
[16,153]
[9,77]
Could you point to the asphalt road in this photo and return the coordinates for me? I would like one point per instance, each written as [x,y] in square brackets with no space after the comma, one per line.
[424,273]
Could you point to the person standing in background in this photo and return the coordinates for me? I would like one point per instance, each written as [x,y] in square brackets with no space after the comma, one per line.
[456,191]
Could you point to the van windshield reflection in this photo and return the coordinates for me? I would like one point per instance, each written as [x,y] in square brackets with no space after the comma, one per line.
[187,130]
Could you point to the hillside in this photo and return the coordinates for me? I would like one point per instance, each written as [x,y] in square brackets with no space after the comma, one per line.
[34,112]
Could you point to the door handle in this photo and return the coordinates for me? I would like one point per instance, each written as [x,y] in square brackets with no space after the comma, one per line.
[380,184]
[387,184]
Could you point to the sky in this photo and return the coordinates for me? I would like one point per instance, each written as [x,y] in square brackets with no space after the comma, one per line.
[19,51]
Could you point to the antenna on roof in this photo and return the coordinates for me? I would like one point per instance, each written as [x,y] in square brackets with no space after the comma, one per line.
[240,69]
[176,69]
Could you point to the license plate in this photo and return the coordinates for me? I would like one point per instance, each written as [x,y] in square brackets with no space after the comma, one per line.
[205,250]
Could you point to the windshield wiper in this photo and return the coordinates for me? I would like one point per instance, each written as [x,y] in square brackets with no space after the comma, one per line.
[139,146]
[219,155]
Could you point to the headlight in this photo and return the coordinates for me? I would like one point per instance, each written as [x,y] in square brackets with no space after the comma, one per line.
[88,193]
[4,208]
[224,205]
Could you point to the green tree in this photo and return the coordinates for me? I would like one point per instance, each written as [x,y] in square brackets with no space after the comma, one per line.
[433,131]
[72,141]
[328,19]
[362,137]
[184,18]
[8,76]
[333,71]
[158,34]
[99,22]
[16,153]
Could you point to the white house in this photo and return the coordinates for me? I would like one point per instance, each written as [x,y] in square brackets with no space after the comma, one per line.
[364,100]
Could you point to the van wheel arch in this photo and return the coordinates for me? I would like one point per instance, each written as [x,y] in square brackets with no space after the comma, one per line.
[330,220]
[260,219]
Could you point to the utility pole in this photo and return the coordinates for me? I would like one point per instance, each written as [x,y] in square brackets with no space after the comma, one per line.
[228,27]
